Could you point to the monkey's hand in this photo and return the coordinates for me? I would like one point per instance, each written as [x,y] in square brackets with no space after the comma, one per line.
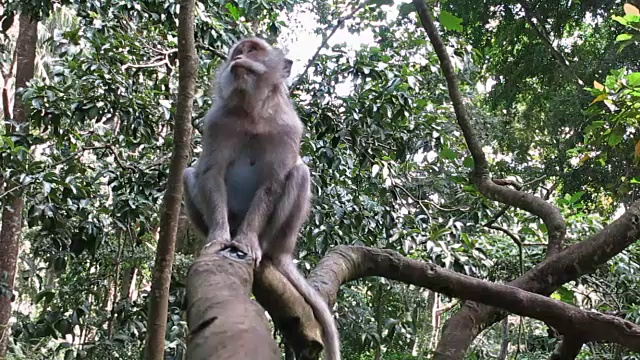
[252,244]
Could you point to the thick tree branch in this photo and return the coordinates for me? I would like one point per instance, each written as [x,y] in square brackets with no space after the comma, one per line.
[504,182]
[290,312]
[13,205]
[575,261]
[161,278]
[549,214]
[224,323]
[347,263]
[462,328]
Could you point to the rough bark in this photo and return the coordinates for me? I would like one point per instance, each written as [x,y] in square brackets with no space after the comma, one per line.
[156,326]
[224,322]
[504,344]
[217,287]
[344,263]
[290,312]
[347,263]
[14,203]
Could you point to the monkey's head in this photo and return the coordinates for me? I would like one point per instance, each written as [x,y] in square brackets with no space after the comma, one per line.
[253,65]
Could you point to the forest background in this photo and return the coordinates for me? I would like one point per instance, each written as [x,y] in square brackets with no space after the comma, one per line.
[522,168]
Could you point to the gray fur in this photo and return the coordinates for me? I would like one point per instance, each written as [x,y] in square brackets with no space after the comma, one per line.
[249,184]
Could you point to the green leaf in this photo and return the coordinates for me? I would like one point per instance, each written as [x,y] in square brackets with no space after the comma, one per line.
[543,227]
[46,294]
[233,11]
[619,19]
[624,37]
[563,294]
[633,79]
[7,22]
[406,9]
[614,138]
[635,180]
[575,197]
[468,162]
[447,153]
[450,21]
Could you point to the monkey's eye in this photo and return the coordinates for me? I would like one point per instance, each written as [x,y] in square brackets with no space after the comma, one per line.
[252,48]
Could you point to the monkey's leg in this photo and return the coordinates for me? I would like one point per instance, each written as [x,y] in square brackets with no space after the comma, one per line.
[267,200]
[289,213]
[192,203]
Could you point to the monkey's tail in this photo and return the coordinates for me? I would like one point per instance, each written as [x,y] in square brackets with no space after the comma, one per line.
[321,310]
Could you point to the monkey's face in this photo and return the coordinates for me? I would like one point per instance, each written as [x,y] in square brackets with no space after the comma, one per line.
[253,65]
[248,58]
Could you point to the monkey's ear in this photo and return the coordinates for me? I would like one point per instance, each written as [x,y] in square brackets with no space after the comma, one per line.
[286,68]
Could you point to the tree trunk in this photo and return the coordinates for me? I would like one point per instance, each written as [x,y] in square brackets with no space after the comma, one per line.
[13,205]
[156,327]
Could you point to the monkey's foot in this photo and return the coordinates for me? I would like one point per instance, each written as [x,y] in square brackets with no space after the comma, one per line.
[252,246]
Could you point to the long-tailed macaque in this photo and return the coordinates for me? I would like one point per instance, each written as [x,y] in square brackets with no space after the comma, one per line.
[249,184]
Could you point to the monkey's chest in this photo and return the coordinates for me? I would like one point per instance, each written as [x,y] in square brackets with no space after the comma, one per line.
[242,180]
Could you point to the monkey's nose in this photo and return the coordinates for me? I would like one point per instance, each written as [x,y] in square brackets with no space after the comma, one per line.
[238,57]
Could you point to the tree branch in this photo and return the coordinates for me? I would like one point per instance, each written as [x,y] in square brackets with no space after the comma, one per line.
[224,323]
[539,30]
[549,214]
[347,263]
[575,261]
[290,312]
[504,182]
[330,31]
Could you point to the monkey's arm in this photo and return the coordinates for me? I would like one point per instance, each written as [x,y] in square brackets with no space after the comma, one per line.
[211,170]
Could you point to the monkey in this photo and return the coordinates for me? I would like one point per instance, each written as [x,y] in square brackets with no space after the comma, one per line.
[249,185]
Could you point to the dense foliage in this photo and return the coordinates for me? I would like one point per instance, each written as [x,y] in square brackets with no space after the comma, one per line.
[557,107]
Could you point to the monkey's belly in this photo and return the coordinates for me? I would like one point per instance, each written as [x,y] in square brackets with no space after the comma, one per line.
[242,183]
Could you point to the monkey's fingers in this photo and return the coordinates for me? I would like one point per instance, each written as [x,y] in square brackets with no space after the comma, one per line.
[252,245]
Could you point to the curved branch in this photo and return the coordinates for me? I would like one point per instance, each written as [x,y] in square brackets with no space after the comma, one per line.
[347,263]
[291,314]
[549,214]
[575,261]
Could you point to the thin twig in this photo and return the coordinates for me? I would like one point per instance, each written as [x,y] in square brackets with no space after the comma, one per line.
[219,54]
[539,30]
[508,232]
[331,30]
[165,61]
